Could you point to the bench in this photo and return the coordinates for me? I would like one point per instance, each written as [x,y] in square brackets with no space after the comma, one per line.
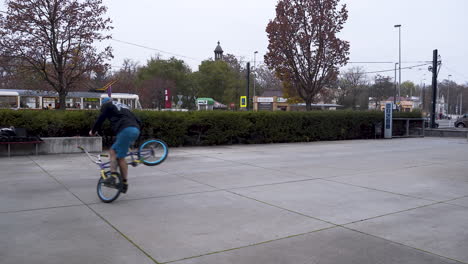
[21,137]
[25,142]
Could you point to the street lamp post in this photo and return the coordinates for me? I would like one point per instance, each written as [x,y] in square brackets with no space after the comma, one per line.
[448,95]
[395,88]
[423,95]
[461,102]
[399,60]
[255,72]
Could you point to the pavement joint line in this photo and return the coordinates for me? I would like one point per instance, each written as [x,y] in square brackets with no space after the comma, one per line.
[457,198]
[193,180]
[376,170]
[454,199]
[125,236]
[319,219]
[271,184]
[98,215]
[401,194]
[353,173]
[243,187]
[43,208]
[162,196]
[392,213]
[231,190]
[282,208]
[344,225]
[378,190]
[251,245]
[404,245]
[328,222]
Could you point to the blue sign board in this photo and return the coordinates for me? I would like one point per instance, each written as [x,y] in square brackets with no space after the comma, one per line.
[388,119]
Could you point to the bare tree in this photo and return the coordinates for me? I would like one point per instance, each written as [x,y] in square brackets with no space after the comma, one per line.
[55,38]
[126,77]
[351,84]
[381,90]
[268,82]
[303,47]
[151,92]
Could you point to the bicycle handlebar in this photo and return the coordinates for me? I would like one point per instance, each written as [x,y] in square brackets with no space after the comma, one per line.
[98,161]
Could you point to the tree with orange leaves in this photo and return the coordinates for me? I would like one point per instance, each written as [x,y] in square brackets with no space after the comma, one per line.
[55,38]
[304,49]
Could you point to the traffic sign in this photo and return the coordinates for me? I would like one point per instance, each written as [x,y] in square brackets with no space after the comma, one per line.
[243,101]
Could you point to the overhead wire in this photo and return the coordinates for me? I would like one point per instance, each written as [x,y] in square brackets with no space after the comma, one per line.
[392,70]
[158,50]
[455,72]
[262,62]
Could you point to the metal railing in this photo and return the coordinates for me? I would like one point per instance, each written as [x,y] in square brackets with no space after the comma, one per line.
[418,126]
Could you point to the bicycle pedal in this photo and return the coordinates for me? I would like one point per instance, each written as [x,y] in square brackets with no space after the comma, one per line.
[134,164]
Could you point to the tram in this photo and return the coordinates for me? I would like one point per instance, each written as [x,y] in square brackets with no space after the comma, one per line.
[30,99]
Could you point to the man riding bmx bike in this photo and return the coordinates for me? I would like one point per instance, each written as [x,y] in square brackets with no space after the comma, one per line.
[127,128]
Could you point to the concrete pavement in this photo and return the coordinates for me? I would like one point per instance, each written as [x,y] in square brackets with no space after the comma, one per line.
[374,201]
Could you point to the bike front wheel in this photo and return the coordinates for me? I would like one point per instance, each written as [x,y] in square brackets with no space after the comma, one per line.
[109,191]
[153,152]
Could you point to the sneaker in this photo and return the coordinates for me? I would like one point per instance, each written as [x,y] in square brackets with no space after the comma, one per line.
[111,180]
[124,187]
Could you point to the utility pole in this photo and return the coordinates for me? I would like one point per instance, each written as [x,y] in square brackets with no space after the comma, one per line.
[448,95]
[255,73]
[423,95]
[461,103]
[248,85]
[399,60]
[395,89]
[434,87]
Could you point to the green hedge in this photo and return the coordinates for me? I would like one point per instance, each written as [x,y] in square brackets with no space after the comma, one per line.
[212,128]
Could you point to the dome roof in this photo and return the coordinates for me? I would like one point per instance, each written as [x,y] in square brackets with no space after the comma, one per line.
[218,48]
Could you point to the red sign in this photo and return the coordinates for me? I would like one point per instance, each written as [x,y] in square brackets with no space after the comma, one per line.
[167,99]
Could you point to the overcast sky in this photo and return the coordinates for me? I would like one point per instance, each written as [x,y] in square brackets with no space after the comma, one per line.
[192,28]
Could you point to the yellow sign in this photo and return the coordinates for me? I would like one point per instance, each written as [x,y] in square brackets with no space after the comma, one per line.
[243,101]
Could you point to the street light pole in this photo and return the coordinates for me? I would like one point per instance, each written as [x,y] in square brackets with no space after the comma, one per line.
[255,73]
[399,60]
[460,102]
[394,90]
[448,95]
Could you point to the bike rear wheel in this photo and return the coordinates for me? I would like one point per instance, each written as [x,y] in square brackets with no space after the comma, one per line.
[153,152]
[108,192]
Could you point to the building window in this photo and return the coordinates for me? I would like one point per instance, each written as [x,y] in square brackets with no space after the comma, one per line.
[49,102]
[8,102]
[91,103]
[129,102]
[31,102]
[73,103]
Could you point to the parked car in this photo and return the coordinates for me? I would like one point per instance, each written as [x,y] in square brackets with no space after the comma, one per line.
[462,121]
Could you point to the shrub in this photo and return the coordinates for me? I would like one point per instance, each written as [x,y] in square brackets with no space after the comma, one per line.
[211,128]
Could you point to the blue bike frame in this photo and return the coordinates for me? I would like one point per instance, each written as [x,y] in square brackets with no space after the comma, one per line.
[106,165]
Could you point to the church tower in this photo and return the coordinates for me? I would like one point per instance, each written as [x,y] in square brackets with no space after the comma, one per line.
[218,52]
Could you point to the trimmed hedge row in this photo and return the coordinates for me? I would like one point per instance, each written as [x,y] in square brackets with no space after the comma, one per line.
[212,128]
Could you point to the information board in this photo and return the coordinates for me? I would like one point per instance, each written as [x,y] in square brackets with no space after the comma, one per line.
[388,119]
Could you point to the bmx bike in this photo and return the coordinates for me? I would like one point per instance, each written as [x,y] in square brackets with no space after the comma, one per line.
[151,153]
